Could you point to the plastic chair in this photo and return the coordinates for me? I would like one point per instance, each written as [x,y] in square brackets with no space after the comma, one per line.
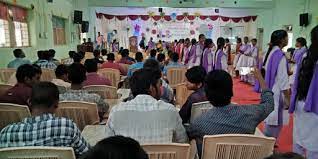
[12,113]
[237,146]
[47,75]
[106,92]
[182,94]
[82,113]
[37,152]
[4,88]
[111,74]
[176,76]
[168,151]
[6,73]
[198,109]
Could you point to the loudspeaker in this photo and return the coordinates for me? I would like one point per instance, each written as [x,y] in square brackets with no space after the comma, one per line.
[85,26]
[49,1]
[160,10]
[303,19]
[78,17]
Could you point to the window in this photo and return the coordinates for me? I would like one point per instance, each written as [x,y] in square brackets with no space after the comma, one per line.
[13,26]
[4,32]
[58,30]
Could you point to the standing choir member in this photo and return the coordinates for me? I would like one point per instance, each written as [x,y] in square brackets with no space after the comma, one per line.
[243,56]
[207,60]
[251,60]
[196,53]
[304,102]
[151,44]
[191,50]
[227,51]
[276,77]
[179,47]
[301,45]
[186,49]
[219,57]
[237,54]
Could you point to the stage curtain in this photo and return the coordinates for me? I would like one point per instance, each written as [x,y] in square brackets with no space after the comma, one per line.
[214,17]
[236,20]
[191,17]
[121,17]
[156,17]
[144,17]
[225,19]
[19,14]
[133,17]
[180,17]
[167,18]
[202,17]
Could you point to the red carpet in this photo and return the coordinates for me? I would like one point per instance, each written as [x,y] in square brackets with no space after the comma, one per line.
[244,94]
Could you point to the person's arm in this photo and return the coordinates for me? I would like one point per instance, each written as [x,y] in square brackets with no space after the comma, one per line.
[79,144]
[180,132]
[266,105]
[185,111]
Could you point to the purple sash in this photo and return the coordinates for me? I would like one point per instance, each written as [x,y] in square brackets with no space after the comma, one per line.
[257,87]
[190,54]
[205,61]
[298,54]
[218,63]
[311,101]
[272,67]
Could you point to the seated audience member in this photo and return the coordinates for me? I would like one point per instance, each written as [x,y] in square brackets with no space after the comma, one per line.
[44,60]
[173,63]
[195,82]
[43,128]
[161,59]
[92,78]
[104,54]
[146,118]
[78,57]
[77,75]
[227,118]
[166,91]
[153,54]
[136,66]
[112,64]
[125,59]
[19,59]
[116,147]
[61,80]
[52,59]
[70,59]
[26,75]
[97,57]
[288,155]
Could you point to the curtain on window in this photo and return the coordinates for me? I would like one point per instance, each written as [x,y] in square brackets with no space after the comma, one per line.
[19,14]
[3,11]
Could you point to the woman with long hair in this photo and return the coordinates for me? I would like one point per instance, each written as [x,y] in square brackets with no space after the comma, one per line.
[304,101]
[219,57]
[275,67]
[207,58]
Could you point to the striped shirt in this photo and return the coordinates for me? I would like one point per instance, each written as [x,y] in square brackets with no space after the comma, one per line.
[46,64]
[147,120]
[44,130]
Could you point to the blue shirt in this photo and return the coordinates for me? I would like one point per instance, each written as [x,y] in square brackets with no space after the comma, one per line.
[18,62]
[134,67]
[172,65]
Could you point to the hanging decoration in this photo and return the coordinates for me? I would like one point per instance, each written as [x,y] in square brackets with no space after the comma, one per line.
[174,17]
[192,32]
[154,31]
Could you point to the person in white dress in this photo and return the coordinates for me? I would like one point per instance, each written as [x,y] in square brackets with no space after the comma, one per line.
[251,61]
[237,53]
[196,54]
[304,102]
[276,76]
[244,51]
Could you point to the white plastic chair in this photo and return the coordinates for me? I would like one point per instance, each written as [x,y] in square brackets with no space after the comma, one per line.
[167,151]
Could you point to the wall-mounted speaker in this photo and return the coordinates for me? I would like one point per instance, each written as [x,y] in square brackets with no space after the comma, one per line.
[85,26]
[160,10]
[49,1]
[304,19]
[78,17]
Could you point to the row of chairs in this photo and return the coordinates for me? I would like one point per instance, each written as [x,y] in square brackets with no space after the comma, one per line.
[229,146]
[7,75]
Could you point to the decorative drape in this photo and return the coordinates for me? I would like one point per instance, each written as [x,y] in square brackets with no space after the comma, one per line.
[3,11]
[179,17]
[19,14]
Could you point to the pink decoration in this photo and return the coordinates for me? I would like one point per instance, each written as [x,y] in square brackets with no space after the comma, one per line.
[210,26]
[192,32]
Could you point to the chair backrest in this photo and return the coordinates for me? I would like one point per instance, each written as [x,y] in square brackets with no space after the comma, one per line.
[82,113]
[112,74]
[5,74]
[124,66]
[12,113]
[182,94]
[237,146]
[198,109]
[176,76]
[106,92]
[4,88]
[64,60]
[168,151]
[47,74]
[37,152]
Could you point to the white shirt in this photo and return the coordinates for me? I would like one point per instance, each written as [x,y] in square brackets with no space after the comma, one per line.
[60,82]
[146,120]
[281,84]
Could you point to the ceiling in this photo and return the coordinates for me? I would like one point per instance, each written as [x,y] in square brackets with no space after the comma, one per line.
[183,3]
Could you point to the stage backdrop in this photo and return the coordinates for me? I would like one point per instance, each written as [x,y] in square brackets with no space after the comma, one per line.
[173,26]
